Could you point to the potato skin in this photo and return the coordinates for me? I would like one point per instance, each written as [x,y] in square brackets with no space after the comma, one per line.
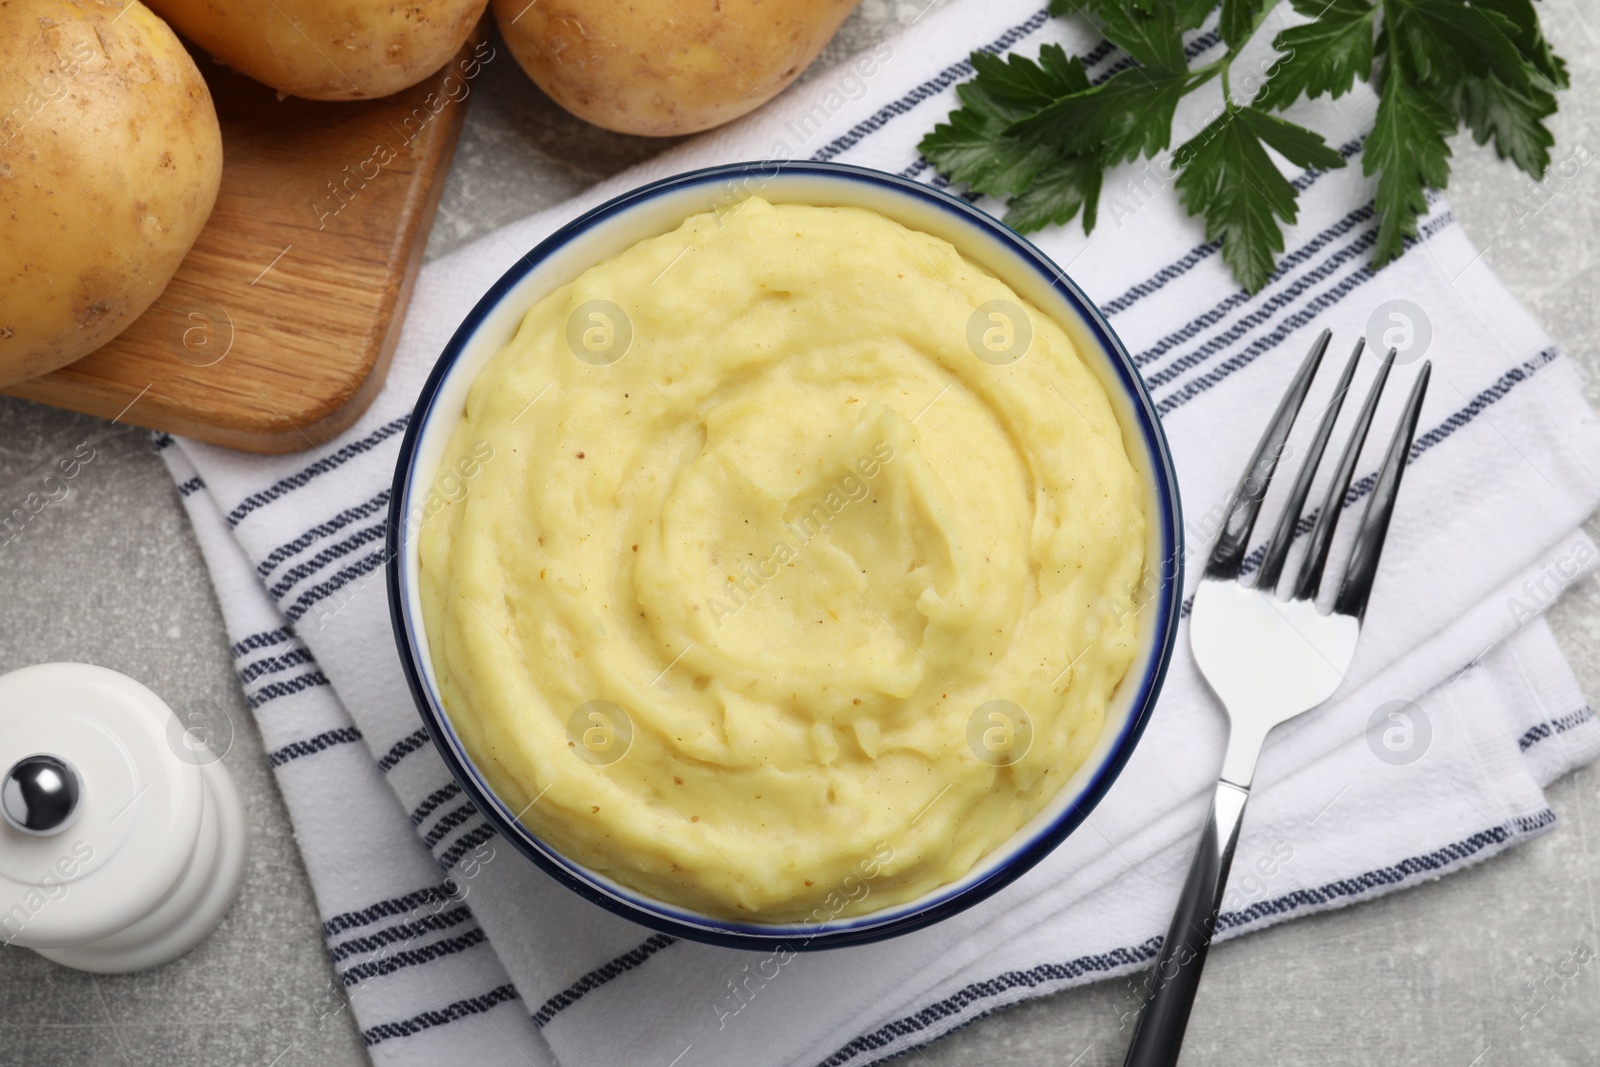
[664,67]
[328,49]
[110,157]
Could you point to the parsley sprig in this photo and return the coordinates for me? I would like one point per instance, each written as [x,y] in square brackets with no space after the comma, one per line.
[1038,134]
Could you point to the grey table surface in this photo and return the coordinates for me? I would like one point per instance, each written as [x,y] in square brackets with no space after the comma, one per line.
[1435,975]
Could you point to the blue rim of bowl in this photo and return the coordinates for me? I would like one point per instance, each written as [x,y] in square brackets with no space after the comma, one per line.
[861,929]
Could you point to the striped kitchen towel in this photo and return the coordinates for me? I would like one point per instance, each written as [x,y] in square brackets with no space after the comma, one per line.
[1458,711]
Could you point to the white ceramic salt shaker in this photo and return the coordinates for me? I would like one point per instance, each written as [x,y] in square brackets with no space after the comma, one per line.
[122,839]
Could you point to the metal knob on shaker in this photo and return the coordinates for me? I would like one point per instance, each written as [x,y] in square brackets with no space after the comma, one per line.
[39,795]
[122,838]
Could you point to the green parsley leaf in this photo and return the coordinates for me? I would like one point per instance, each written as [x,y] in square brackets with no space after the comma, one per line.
[1408,152]
[1513,117]
[1298,145]
[1530,42]
[1191,13]
[973,148]
[1129,115]
[1036,133]
[1325,55]
[1149,31]
[1230,179]
[1238,20]
[1024,85]
[1057,195]
[1448,40]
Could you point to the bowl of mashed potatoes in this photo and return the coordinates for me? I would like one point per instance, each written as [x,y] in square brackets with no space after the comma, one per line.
[785,554]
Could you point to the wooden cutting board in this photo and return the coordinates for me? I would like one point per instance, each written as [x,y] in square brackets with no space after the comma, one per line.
[276,332]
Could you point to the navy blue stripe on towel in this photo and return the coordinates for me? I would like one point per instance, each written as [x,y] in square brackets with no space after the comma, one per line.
[273,690]
[274,664]
[300,571]
[411,957]
[312,745]
[264,639]
[927,90]
[434,799]
[1221,342]
[599,977]
[1213,315]
[400,933]
[1555,726]
[442,828]
[351,920]
[323,529]
[461,1009]
[1266,343]
[401,749]
[323,590]
[320,467]
[466,843]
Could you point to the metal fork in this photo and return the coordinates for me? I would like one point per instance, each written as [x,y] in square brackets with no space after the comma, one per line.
[1269,659]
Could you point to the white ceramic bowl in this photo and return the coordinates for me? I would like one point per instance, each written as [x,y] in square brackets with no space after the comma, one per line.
[659,208]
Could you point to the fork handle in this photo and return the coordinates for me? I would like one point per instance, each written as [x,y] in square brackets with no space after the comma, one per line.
[1158,1036]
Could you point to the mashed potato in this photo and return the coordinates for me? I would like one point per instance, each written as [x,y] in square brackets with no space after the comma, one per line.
[783,565]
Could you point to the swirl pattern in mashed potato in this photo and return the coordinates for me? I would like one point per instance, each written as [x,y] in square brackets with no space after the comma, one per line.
[759,537]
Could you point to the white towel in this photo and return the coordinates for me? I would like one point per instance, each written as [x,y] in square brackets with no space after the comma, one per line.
[454,948]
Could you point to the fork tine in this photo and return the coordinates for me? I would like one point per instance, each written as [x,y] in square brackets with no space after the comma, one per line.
[1310,580]
[1228,554]
[1363,567]
[1283,535]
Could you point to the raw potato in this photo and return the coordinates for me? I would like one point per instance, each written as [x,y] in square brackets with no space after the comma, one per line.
[328,49]
[110,157]
[663,67]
